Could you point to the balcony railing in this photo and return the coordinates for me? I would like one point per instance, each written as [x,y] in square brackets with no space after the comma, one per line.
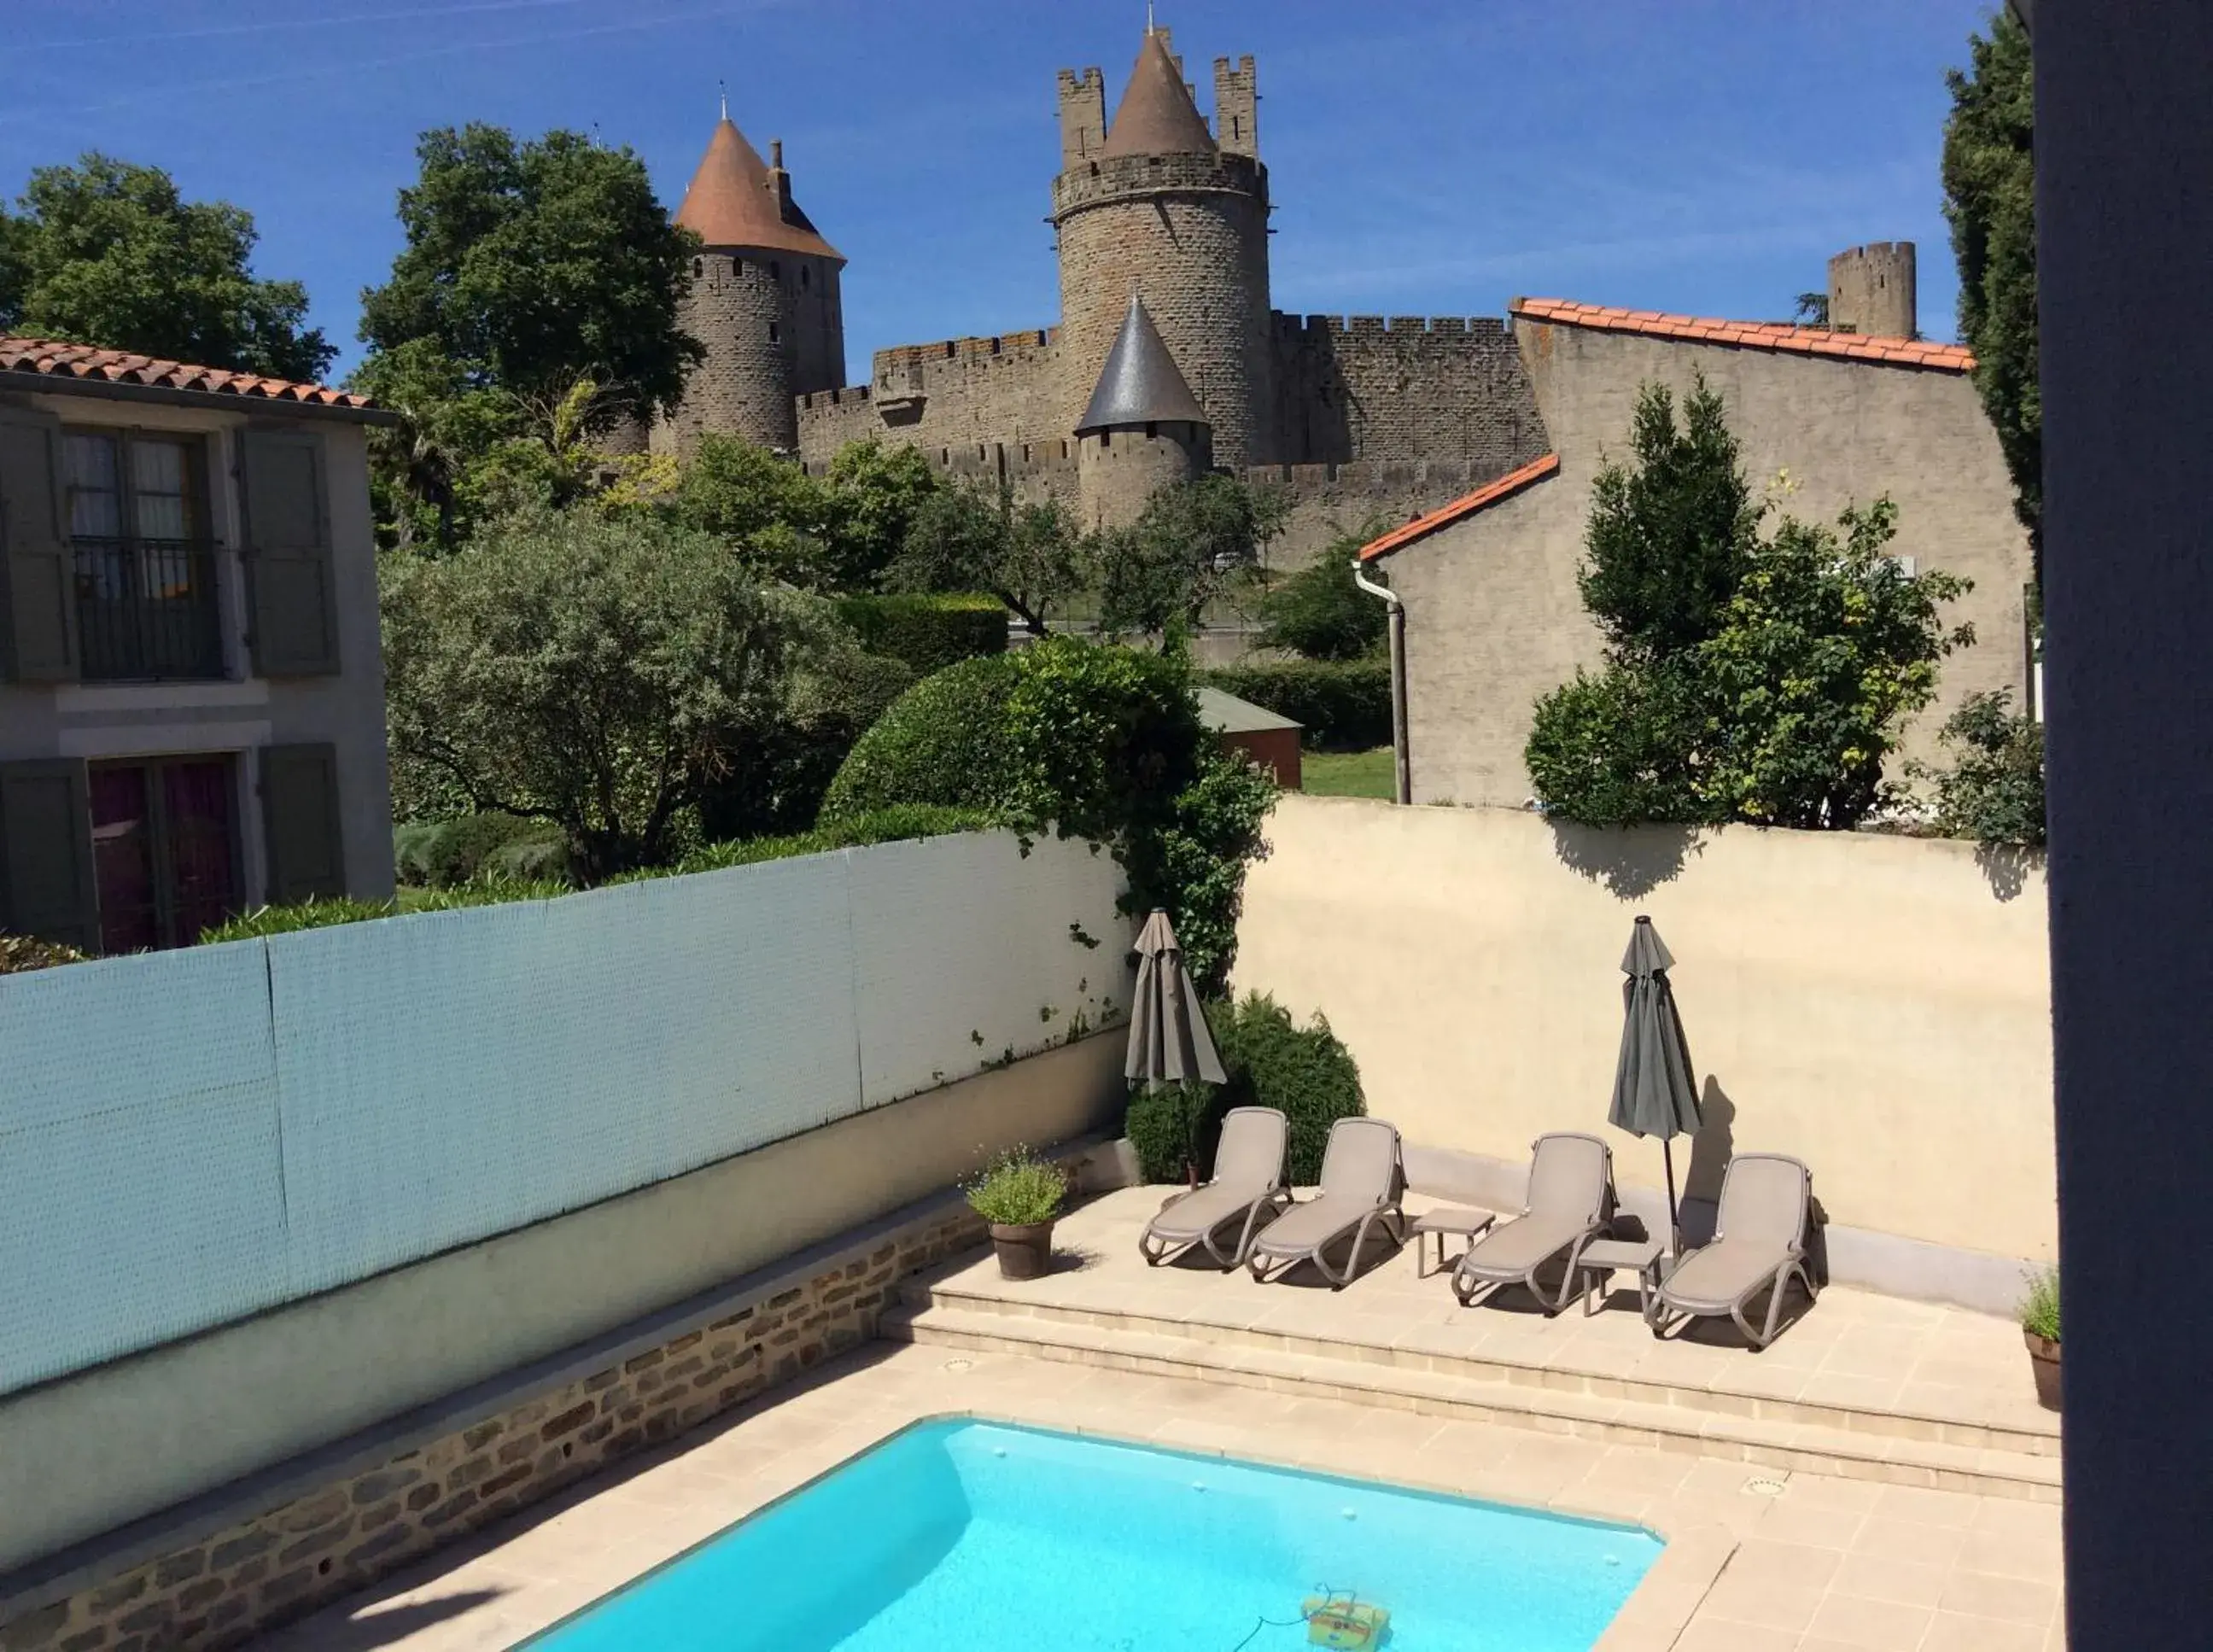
[146,609]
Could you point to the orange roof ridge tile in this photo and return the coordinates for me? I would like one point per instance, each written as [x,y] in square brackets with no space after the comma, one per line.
[53,358]
[1756,335]
[1503,487]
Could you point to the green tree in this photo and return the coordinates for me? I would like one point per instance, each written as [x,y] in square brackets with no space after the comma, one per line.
[1669,530]
[532,264]
[874,494]
[105,253]
[1319,612]
[1027,554]
[1992,787]
[1990,200]
[1192,542]
[771,510]
[1745,679]
[1827,648]
[594,671]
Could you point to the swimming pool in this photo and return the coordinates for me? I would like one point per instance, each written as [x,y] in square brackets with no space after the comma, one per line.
[963,1536]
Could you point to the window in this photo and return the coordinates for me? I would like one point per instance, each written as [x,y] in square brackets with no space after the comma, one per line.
[803,274]
[773,334]
[775,271]
[699,268]
[164,849]
[1152,431]
[145,566]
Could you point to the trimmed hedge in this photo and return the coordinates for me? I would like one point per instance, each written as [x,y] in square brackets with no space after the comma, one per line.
[1341,706]
[927,632]
[886,825]
[943,742]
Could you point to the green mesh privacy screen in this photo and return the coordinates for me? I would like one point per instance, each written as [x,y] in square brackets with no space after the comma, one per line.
[189,1138]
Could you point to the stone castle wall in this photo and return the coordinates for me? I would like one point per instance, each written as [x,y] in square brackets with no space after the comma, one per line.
[953,393]
[773,326]
[1411,387]
[1328,502]
[1189,233]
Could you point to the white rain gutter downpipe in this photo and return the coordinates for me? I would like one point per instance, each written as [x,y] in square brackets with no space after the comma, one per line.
[1405,790]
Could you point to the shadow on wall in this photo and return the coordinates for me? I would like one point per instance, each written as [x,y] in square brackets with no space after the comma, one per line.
[2006,866]
[1711,1150]
[1629,861]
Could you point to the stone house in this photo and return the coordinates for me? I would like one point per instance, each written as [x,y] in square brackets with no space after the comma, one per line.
[191,707]
[1493,616]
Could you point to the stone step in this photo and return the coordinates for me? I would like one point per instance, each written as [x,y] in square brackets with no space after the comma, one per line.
[1851,1454]
[1445,1356]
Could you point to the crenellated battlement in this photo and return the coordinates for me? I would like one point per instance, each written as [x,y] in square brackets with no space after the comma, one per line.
[954,349]
[1134,177]
[1295,328]
[848,395]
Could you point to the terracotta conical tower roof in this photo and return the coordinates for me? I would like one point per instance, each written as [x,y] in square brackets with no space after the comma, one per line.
[733,202]
[1141,382]
[1157,116]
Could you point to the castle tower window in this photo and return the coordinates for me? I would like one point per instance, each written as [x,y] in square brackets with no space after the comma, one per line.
[1106,440]
[1152,431]
[737,266]
[773,335]
[775,271]
[699,268]
[804,273]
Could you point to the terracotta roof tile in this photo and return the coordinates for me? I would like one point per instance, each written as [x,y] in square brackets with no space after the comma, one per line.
[1755,335]
[1489,493]
[65,361]
[1156,115]
[731,203]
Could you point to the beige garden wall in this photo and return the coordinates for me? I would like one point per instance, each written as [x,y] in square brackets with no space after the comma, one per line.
[83,1455]
[1877,1006]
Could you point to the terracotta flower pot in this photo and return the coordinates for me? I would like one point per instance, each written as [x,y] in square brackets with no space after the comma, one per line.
[2044,1359]
[1025,1251]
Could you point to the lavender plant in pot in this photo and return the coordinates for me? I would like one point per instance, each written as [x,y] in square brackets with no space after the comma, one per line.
[1019,1194]
[2040,1329]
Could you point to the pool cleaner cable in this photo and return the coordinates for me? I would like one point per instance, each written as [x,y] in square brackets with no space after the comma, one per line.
[1333,1618]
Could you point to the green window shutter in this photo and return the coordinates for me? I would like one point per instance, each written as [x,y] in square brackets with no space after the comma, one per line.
[46,883]
[300,817]
[290,574]
[38,573]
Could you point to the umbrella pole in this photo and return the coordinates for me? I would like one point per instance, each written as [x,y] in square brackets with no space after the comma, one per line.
[1674,1220]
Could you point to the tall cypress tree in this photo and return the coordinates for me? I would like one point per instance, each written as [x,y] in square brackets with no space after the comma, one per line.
[1989,200]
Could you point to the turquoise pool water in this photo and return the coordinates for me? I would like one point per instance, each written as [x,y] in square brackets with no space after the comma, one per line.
[978,1537]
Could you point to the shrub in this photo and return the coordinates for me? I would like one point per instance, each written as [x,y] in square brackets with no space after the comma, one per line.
[943,741]
[1018,1190]
[774,774]
[1304,1073]
[1319,612]
[1993,790]
[2040,1309]
[899,823]
[927,632]
[1195,864]
[21,952]
[1174,1129]
[1340,705]
[438,854]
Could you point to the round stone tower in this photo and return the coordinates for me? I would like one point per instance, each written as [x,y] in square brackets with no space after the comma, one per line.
[1871,290]
[1154,202]
[764,300]
[1143,428]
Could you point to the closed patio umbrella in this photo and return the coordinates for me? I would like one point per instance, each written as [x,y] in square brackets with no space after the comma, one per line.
[1654,1093]
[1169,1042]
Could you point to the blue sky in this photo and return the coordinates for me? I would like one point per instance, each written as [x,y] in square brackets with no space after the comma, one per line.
[1427,157]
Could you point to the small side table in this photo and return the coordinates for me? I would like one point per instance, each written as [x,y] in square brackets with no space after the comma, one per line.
[1602,1256]
[1464,1223]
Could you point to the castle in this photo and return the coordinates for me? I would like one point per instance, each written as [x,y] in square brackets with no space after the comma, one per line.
[1168,359]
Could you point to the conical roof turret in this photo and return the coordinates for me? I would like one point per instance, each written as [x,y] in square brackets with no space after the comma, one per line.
[1141,383]
[1156,116]
[734,202]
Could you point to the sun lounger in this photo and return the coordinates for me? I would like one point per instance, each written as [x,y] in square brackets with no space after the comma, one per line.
[1759,1244]
[1570,1202]
[1249,1179]
[1360,1184]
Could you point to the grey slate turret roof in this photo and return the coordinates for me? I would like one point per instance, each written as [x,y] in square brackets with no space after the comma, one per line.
[1141,383]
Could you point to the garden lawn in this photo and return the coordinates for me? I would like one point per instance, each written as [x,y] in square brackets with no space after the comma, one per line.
[1348,774]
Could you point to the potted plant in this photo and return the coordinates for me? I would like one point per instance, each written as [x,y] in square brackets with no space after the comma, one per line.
[2040,1329]
[1019,1194]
